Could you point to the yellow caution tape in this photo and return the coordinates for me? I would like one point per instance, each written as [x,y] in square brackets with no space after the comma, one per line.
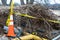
[11,12]
[7,22]
[26,15]
[12,7]
[54,21]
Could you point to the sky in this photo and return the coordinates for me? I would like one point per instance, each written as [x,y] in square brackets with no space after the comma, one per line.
[18,1]
[56,1]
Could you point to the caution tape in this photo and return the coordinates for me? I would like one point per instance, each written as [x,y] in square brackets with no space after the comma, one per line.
[54,21]
[11,12]
[8,20]
[26,15]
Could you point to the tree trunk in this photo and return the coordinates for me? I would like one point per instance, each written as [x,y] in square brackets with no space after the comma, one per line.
[27,2]
[46,1]
[22,2]
[31,1]
[4,2]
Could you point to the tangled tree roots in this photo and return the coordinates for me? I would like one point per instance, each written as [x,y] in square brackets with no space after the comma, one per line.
[41,27]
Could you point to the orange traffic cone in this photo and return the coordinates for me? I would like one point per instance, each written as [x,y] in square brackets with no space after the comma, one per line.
[11,27]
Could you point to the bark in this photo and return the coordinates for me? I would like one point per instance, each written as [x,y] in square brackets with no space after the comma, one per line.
[27,2]
[31,1]
[4,2]
[22,2]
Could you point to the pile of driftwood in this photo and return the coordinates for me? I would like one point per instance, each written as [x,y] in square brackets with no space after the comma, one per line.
[43,28]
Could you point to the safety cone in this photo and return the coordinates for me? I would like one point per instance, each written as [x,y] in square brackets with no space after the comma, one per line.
[11,27]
